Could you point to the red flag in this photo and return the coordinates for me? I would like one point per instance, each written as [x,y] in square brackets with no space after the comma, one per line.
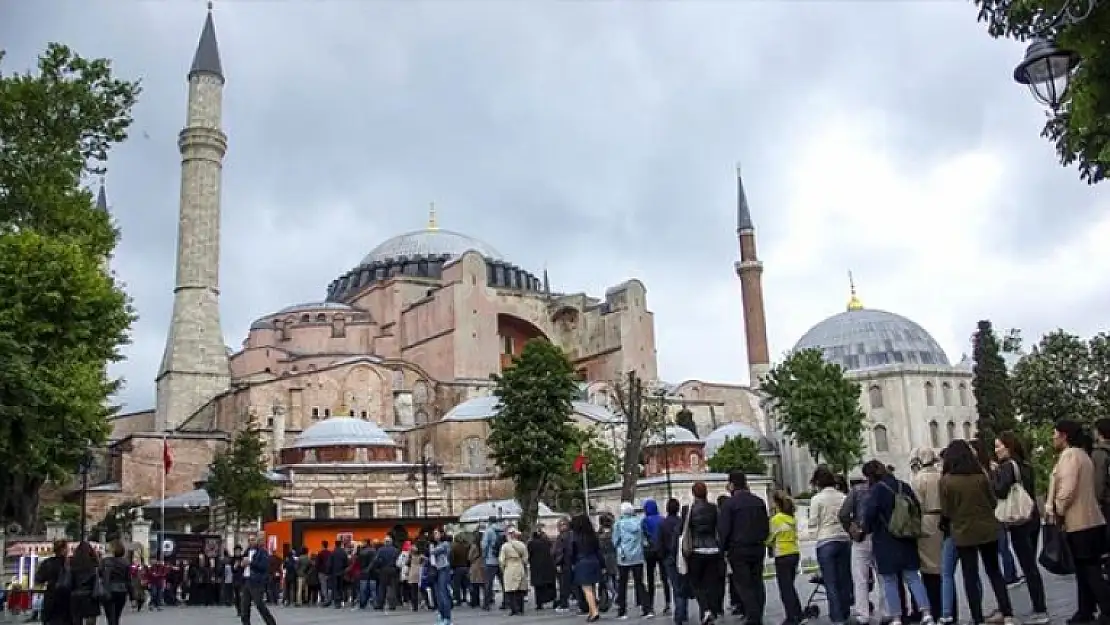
[167,457]
[580,463]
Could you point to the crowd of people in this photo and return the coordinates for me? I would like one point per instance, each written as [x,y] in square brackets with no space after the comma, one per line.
[909,536]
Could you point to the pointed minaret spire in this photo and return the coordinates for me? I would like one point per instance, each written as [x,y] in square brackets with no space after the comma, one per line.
[432,223]
[207,58]
[546,283]
[750,272]
[102,197]
[743,213]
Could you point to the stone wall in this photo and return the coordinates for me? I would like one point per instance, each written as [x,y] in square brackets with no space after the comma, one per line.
[344,489]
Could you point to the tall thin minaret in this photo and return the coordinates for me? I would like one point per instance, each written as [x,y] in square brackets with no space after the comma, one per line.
[750,271]
[195,365]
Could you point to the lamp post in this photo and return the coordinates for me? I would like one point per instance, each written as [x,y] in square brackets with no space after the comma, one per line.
[426,466]
[662,393]
[85,467]
[1047,69]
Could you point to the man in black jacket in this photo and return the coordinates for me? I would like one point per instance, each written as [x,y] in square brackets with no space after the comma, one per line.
[670,535]
[744,527]
[385,567]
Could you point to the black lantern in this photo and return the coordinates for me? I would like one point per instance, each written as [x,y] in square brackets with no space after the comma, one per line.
[1047,71]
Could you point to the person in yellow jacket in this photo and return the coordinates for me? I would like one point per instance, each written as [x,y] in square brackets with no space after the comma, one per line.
[782,543]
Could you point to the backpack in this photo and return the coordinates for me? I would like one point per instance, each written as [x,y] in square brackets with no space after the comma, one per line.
[905,516]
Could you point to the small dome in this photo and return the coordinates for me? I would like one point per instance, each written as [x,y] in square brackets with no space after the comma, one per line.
[867,338]
[505,509]
[675,435]
[485,407]
[717,438]
[343,431]
[429,242]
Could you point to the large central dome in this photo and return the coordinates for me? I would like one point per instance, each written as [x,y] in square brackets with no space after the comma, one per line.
[863,338]
[429,243]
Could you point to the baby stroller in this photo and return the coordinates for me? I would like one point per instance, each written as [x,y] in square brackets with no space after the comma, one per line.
[812,610]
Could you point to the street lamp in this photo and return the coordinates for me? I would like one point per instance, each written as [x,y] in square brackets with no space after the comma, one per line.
[426,466]
[1047,69]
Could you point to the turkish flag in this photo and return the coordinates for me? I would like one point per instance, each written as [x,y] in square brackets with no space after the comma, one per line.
[167,457]
[580,463]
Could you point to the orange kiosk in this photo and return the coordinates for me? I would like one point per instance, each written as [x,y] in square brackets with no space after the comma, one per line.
[299,533]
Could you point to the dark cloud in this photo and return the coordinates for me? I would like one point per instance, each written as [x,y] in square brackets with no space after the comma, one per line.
[597,140]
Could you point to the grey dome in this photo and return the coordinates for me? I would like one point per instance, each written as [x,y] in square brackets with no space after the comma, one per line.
[676,435]
[429,243]
[487,406]
[867,338]
[717,438]
[344,431]
[503,510]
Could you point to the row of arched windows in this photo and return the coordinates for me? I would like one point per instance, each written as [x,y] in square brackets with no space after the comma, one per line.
[882,439]
[875,395]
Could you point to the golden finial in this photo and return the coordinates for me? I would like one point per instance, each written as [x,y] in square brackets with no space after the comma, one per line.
[853,302]
[432,225]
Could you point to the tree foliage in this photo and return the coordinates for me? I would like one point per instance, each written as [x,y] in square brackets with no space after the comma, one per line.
[818,408]
[530,435]
[643,418]
[1063,377]
[237,476]
[990,384]
[602,467]
[1080,129]
[118,519]
[684,418]
[739,453]
[64,316]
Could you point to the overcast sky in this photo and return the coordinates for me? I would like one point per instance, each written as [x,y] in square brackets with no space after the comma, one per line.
[600,139]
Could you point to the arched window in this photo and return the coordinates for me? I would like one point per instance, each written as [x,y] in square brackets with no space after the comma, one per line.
[695,462]
[321,317]
[967,430]
[428,453]
[875,396]
[473,455]
[963,394]
[930,394]
[951,431]
[882,445]
[946,392]
[934,434]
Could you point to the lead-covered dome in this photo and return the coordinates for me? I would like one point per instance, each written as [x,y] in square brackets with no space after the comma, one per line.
[866,338]
[429,243]
[717,438]
[343,432]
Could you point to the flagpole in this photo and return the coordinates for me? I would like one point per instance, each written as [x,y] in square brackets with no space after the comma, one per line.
[162,522]
[586,487]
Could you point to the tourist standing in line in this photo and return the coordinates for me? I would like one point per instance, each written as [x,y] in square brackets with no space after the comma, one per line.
[560,552]
[834,549]
[256,576]
[323,561]
[704,564]
[513,562]
[1013,469]
[783,543]
[492,540]
[863,562]
[744,527]
[477,574]
[653,556]
[541,563]
[460,568]
[607,589]
[117,577]
[896,557]
[1072,503]
[628,537]
[669,535]
[586,563]
[930,547]
[441,566]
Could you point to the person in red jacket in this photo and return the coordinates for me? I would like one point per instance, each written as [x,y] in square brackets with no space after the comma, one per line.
[323,559]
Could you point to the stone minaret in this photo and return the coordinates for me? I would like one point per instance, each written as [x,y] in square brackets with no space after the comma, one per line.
[750,271]
[195,365]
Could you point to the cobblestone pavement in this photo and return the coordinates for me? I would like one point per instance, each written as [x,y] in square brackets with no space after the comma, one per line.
[1061,597]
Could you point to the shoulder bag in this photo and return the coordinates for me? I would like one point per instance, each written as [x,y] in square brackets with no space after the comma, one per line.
[1018,505]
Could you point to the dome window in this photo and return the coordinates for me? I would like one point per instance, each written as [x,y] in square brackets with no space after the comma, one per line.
[882,443]
[934,434]
[930,394]
[946,393]
[963,394]
[951,431]
[875,396]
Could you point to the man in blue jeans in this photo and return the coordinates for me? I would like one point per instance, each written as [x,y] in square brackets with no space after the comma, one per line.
[492,540]
[670,534]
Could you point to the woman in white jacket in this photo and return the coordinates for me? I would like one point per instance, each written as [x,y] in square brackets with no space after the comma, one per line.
[834,551]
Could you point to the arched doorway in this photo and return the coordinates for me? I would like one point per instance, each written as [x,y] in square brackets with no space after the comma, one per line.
[512,333]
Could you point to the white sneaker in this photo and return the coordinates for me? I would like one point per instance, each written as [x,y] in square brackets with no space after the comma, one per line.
[1038,618]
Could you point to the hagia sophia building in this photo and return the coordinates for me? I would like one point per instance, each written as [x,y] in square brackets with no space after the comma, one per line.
[390,371]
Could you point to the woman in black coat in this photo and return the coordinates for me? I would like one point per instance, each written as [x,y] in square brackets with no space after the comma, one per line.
[117,582]
[51,574]
[84,570]
[542,564]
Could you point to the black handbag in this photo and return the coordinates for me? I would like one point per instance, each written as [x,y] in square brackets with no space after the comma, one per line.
[1056,557]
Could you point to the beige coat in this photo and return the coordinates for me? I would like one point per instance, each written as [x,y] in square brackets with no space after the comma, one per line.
[514,565]
[926,485]
[1071,492]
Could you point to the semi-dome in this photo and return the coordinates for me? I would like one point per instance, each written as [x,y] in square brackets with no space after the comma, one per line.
[717,438]
[343,432]
[863,338]
[486,407]
[675,435]
[429,243]
[505,509]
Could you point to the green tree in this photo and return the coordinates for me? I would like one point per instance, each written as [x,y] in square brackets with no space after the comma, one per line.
[1063,376]
[818,408]
[64,316]
[1037,439]
[739,453]
[1080,129]
[684,418]
[991,384]
[237,476]
[530,435]
[643,418]
[602,467]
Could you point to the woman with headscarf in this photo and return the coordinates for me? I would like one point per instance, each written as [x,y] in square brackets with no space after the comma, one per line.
[513,561]
[542,565]
[1071,503]
[926,485]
